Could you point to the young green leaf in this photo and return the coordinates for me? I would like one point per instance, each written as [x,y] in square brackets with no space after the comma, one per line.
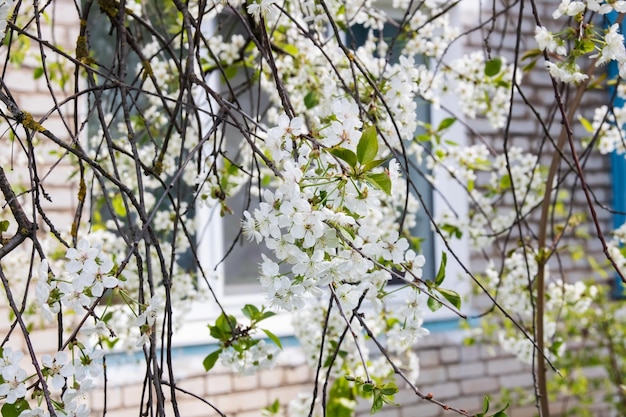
[441,273]
[311,100]
[264,315]
[389,388]
[118,205]
[250,311]
[380,181]
[586,124]
[493,67]
[217,333]
[373,164]
[290,49]
[446,123]
[345,154]
[377,403]
[271,409]
[211,359]
[38,73]
[15,409]
[433,304]
[273,338]
[4,225]
[367,147]
[453,297]
[368,387]
[341,399]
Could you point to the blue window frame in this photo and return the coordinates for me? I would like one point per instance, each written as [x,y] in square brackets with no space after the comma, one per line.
[618,169]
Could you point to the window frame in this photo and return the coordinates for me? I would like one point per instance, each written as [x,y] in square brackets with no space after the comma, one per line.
[210,250]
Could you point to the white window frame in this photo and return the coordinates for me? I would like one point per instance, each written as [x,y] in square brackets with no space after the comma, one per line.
[211,248]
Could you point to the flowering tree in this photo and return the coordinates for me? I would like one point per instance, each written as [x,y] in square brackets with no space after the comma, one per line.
[188,105]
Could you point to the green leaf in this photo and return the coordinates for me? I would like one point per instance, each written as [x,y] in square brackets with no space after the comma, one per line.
[377,403]
[230,72]
[15,409]
[452,230]
[380,181]
[486,404]
[226,323]
[424,137]
[264,315]
[433,304]
[118,205]
[446,123]
[493,67]
[528,67]
[4,225]
[367,147]
[222,330]
[532,54]
[505,182]
[273,337]
[250,311]
[38,73]
[373,164]
[272,409]
[341,399]
[345,154]
[311,100]
[441,273]
[453,297]
[389,388]
[368,387]
[107,317]
[586,124]
[290,49]
[209,361]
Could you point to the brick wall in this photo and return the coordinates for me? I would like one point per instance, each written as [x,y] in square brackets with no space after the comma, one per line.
[454,373]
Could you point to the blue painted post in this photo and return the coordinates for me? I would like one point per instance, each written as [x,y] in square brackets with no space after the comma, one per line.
[618,170]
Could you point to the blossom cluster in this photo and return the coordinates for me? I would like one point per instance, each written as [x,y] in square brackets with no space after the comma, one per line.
[601,45]
[607,126]
[68,377]
[513,285]
[515,175]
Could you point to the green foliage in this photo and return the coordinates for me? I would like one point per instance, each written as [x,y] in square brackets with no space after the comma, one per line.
[364,161]
[380,393]
[272,409]
[210,360]
[231,333]
[341,399]
[15,409]
[450,296]
[499,413]
[493,67]
[311,100]
[367,147]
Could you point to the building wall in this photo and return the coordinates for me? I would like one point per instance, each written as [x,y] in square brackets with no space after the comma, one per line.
[456,374]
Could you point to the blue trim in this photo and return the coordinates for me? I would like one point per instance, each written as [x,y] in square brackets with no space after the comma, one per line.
[618,168]
[129,358]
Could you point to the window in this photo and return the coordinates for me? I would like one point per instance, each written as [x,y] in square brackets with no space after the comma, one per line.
[234,280]
[237,276]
